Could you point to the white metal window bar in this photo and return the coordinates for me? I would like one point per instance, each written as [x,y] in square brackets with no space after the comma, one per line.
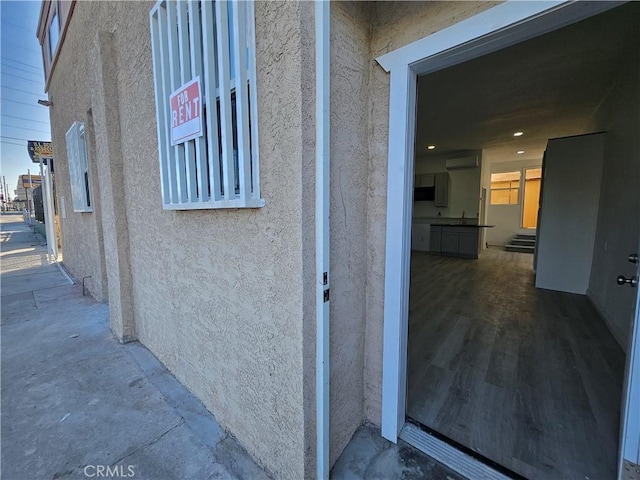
[214,41]
[78,168]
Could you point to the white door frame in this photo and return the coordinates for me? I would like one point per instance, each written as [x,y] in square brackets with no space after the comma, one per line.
[46,169]
[630,417]
[499,27]
[323,150]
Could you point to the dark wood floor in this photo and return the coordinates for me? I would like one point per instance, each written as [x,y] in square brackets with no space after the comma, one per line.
[529,378]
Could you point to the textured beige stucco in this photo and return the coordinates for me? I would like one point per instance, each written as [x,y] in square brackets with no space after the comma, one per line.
[115,226]
[360,32]
[226,298]
[81,232]
[348,200]
[393,25]
[223,297]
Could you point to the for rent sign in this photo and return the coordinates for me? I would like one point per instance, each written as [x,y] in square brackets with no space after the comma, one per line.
[186,112]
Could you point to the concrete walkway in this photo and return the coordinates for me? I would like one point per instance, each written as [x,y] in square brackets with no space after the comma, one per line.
[77,404]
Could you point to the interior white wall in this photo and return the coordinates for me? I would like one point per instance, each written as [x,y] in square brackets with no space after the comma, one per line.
[505,218]
[618,224]
[569,214]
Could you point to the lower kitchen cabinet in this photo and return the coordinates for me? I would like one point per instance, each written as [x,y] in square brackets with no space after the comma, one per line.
[454,240]
[468,243]
[449,243]
[435,239]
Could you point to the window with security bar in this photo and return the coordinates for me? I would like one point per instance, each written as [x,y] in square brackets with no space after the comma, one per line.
[206,104]
[78,167]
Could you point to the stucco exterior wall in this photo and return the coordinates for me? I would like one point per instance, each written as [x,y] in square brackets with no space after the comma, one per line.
[393,25]
[225,298]
[350,23]
[81,232]
[218,295]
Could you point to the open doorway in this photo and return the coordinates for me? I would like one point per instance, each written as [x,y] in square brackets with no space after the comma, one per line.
[531,200]
[528,378]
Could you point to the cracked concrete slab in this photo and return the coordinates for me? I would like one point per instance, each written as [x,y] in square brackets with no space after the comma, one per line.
[17,304]
[371,457]
[164,458]
[30,283]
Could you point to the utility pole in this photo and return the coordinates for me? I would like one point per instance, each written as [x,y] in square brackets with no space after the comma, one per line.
[29,197]
[6,193]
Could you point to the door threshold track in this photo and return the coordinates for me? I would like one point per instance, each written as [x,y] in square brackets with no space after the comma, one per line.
[448,455]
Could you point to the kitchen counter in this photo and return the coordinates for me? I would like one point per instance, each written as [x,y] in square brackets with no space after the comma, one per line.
[452,220]
[461,225]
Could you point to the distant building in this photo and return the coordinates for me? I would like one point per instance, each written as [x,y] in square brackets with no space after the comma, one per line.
[22,185]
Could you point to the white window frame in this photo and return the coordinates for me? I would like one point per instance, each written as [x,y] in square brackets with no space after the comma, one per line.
[207,172]
[78,161]
[509,188]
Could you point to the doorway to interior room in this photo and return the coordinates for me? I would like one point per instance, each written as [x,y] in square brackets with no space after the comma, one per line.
[531,198]
[530,379]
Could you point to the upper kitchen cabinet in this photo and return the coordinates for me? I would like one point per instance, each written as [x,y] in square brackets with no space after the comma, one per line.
[441,198]
[424,180]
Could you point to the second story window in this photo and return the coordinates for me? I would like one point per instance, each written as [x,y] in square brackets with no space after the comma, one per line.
[54,35]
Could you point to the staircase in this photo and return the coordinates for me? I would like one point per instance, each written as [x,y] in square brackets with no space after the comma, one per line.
[523,243]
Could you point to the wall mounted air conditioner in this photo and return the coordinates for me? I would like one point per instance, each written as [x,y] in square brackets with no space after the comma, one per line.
[462,162]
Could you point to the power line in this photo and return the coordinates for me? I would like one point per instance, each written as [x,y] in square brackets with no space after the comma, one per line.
[13,67]
[17,26]
[23,91]
[21,139]
[39,82]
[21,63]
[27,119]
[23,128]
[13,138]
[12,143]
[20,103]
[17,45]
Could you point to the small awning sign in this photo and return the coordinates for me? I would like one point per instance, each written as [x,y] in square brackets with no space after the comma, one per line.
[38,150]
[186,112]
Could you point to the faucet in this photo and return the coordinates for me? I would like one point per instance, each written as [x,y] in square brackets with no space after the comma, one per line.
[464,220]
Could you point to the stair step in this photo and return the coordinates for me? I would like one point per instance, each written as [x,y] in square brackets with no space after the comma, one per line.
[524,241]
[520,248]
[526,236]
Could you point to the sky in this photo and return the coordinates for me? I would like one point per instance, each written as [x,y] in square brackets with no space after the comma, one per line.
[21,85]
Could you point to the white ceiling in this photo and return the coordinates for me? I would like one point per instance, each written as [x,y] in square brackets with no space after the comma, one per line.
[547,87]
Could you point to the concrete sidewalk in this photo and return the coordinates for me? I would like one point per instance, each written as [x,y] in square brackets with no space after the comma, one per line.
[75,401]
[77,404]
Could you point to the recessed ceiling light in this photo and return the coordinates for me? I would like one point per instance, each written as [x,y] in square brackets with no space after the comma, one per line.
[518,134]
[431,147]
[520,152]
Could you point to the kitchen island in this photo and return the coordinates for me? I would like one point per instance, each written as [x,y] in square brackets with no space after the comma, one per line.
[456,239]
